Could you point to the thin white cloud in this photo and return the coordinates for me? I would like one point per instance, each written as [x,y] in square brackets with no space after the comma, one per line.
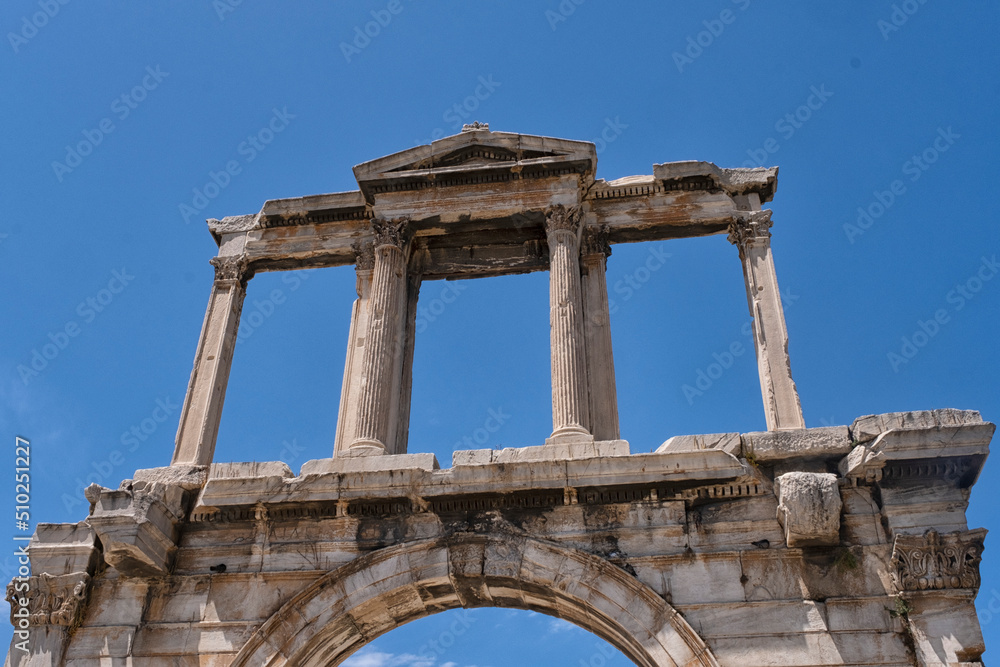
[373,658]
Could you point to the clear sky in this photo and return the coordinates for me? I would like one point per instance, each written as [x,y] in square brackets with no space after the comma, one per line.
[117,115]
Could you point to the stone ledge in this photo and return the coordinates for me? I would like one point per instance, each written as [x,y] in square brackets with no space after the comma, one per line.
[869,427]
[553,452]
[815,443]
[371,464]
[731,443]
[663,468]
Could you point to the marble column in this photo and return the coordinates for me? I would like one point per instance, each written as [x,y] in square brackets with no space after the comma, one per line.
[380,383]
[349,392]
[750,232]
[206,393]
[408,339]
[570,403]
[597,335]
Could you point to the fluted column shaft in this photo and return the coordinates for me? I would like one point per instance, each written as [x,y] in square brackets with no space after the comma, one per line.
[353,365]
[570,403]
[750,232]
[602,391]
[206,393]
[379,385]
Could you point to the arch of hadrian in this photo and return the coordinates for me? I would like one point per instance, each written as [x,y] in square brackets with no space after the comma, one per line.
[794,546]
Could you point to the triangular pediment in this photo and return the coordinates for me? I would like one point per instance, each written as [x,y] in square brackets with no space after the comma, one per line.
[475,153]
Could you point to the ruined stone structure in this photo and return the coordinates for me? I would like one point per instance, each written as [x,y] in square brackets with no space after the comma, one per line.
[843,545]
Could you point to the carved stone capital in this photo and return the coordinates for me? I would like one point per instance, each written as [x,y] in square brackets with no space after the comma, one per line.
[49,600]
[595,242]
[935,561]
[749,226]
[232,268]
[390,232]
[562,218]
[364,255]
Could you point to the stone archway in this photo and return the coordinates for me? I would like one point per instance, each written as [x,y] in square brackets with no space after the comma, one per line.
[354,604]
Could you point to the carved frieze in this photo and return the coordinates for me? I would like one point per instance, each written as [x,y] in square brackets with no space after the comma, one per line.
[48,600]
[935,561]
[749,226]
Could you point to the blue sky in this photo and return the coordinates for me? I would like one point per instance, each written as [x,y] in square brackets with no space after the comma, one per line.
[109,241]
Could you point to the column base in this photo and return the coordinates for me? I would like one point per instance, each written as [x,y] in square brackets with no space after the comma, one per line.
[364,448]
[570,435]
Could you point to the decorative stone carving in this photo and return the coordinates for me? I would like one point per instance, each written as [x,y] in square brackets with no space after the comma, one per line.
[49,600]
[232,268]
[562,218]
[749,226]
[390,232]
[595,242]
[364,253]
[809,507]
[935,561]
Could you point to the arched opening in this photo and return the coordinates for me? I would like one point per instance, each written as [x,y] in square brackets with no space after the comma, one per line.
[488,636]
[353,605]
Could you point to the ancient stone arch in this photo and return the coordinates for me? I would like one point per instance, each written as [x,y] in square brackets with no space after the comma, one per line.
[841,545]
[354,604]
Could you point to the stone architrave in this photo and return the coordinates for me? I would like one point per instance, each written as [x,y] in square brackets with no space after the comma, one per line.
[602,392]
[206,393]
[347,415]
[570,403]
[809,506]
[750,232]
[382,363]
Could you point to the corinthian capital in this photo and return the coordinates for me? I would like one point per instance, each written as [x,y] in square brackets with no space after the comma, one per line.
[390,232]
[935,561]
[595,242]
[748,226]
[49,599]
[233,267]
[562,218]
[364,255]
